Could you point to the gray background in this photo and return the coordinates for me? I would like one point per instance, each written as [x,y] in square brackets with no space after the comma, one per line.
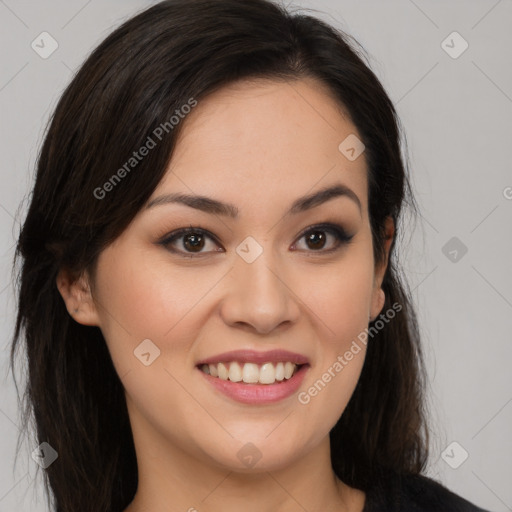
[457,115]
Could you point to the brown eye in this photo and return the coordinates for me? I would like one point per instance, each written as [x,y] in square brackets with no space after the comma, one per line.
[317,238]
[193,241]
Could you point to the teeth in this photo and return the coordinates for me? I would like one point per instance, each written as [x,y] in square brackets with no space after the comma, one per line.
[222,371]
[279,371]
[251,373]
[288,370]
[268,373]
[235,372]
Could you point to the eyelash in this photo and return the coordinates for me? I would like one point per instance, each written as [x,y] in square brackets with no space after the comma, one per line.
[337,231]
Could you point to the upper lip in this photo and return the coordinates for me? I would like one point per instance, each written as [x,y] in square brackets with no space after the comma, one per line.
[253,356]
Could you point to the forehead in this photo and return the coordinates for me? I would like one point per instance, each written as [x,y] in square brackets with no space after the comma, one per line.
[260,138]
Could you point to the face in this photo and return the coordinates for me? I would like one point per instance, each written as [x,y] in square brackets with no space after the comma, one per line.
[274,277]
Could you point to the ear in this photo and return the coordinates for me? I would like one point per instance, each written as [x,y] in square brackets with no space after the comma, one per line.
[378,296]
[76,292]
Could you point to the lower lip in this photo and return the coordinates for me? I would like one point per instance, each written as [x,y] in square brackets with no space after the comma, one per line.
[258,393]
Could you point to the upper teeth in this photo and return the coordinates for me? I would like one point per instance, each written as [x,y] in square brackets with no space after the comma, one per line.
[250,373]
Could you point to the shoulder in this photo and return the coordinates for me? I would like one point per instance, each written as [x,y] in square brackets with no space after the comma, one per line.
[414,493]
[425,494]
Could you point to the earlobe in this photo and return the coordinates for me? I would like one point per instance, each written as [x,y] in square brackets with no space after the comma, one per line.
[77,296]
[379,298]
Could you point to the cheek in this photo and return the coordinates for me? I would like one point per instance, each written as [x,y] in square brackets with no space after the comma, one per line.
[341,309]
[341,298]
[138,300]
[148,301]
[146,292]
[332,381]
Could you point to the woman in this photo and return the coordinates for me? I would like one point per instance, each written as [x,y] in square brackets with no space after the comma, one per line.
[209,295]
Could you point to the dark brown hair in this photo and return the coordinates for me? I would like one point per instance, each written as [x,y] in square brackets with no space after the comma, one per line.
[134,81]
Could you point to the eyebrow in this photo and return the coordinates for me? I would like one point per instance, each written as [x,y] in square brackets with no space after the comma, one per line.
[213,206]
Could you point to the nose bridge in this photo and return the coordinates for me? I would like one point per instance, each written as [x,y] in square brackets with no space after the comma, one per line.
[261,275]
[258,294]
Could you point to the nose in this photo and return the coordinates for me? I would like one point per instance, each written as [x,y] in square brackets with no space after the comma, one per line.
[258,296]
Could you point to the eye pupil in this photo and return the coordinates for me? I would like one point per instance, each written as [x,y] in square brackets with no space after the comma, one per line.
[318,239]
[194,241]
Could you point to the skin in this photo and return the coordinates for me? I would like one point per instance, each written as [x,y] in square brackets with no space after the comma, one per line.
[258,145]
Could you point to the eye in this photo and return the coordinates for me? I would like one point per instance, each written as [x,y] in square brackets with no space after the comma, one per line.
[316,239]
[193,240]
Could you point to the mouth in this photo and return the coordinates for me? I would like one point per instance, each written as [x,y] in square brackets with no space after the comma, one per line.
[252,373]
[253,377]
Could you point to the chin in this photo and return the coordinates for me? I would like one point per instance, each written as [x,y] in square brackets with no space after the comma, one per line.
[258,456]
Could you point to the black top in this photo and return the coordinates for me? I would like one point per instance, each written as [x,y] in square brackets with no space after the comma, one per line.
[414,493]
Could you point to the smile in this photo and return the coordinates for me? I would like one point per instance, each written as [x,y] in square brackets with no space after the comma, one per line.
[252,373]
[256,393]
